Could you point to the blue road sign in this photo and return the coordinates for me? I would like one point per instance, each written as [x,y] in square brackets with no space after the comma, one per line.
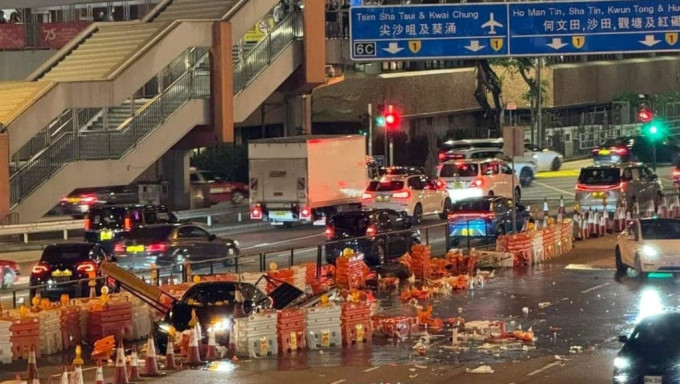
[435,31]
[513,29]
[559,28]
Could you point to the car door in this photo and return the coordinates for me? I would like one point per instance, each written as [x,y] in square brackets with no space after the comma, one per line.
[432,200]
[207,246]
[542,159]
[506,176]
[628,242]
[418,190]
[503,218]
[187,242]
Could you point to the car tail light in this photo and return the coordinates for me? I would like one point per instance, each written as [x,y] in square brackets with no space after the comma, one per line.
[88,224]
[442,157]
[256,213]
[477,182]
[366,196]
[40,269]
[329,232]
[600,188]
[119,248]
[595,151]
[86,267]
[675,174]
[371,231]
[620,150]
[157,247]
[305,213]
[88,199]
[127,224]
[402,195]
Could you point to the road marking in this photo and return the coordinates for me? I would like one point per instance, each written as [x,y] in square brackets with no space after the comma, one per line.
[554,189]
[553,364]
[283,241]
[586,267]
[339,381]
[370,369]
[558,174]
[595,287]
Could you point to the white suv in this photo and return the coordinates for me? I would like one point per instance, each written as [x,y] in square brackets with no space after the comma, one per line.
[474,178]
[417,195]
[525,168]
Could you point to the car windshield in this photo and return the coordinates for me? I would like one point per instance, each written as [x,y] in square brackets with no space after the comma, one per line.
[210,295]
[654,332]
[462,170]
[660,229]
[472,206]
[150,233]
[385,186]
[107,218]
[68,254]
[599,176]
[615,142]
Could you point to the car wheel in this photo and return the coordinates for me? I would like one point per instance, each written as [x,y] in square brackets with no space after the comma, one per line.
[237,197]
[7,279]
[518,195]
[556,164]
[525,176]
[418,213]
[380,254]
[638,268]
[229,261]
[447,208]
[621,268]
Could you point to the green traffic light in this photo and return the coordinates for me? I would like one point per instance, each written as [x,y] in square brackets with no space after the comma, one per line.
[380,121]
[653,129]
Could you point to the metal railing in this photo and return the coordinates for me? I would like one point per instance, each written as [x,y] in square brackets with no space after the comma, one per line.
[266,51]
[77,146]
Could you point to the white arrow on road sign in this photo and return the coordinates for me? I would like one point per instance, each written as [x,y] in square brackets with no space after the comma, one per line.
[650,41]
[474,46]
[556,43]
[393,48]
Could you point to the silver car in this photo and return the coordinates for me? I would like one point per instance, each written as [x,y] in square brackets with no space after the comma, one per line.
[617,185]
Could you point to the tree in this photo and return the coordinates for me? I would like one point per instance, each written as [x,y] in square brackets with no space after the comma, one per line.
[487,80]
[526,68]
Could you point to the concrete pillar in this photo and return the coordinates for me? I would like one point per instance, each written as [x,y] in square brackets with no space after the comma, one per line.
[222,79]
[298,118]
[176,173]
[4,177]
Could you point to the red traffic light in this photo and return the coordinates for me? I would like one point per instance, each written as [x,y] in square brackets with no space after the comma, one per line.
[390,118]
[645,115]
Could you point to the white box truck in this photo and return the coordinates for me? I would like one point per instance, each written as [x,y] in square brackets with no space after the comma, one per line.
[306,178]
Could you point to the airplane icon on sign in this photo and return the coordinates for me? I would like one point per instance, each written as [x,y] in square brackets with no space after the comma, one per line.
[492,24]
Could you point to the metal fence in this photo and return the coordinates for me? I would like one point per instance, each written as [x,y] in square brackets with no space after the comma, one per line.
[437,236]
[266,51]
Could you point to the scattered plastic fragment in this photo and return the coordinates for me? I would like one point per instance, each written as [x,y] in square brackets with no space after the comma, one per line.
[480,369]
[525,310]
[544,304]
[561,358]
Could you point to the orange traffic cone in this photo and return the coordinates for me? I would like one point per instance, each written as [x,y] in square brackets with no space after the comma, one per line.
[120,374]
[193,355]
[170,355]
[211,353]
[133,374]
[561,212]
[32,371]
[99,374]
[151,363]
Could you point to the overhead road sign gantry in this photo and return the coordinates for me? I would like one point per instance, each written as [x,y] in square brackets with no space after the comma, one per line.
[513,29]
[428,31]
[593,27]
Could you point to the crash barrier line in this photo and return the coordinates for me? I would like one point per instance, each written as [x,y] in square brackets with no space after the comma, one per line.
[65,226]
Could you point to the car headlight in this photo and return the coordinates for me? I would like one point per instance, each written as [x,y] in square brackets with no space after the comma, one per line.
[164,327]
[223,325]
[621,362]
[649,251]
[535,156]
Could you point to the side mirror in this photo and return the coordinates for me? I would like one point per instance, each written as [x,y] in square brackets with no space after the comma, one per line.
[212,237]
[623,339]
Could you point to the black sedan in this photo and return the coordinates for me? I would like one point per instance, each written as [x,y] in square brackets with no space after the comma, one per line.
[380,234]
[651,353]
[214,305]
[636,148]
[62,265]
[484,217]
[171,245]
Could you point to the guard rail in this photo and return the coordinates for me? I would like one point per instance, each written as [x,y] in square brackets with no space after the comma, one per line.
[64,226]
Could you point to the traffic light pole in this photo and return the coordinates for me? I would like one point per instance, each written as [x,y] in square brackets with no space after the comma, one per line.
[370,130]
[654,155]
[391,150]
